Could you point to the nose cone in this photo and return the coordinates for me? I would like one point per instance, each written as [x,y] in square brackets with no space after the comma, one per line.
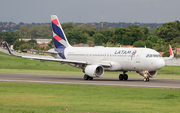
[160,63]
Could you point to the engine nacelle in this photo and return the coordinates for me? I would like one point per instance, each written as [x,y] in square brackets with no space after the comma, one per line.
[94,70]
[148,73]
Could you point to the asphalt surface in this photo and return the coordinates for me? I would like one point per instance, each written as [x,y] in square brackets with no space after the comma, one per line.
[107,81]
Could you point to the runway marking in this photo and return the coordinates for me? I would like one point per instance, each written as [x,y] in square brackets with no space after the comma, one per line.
[90,84]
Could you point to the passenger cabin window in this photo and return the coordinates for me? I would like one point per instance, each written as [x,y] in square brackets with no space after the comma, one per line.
[153,55]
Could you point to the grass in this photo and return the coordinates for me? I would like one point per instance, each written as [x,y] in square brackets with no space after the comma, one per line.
[54,98]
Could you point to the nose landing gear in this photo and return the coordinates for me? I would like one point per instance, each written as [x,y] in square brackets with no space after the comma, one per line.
[146,78]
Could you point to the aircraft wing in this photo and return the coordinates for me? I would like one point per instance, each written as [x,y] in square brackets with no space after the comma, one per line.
[42,59]
[171,54]
[105,64]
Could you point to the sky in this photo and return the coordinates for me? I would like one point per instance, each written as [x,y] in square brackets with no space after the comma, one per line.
[84,11]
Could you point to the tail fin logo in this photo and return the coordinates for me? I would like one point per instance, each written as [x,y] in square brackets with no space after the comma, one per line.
[59,35]
[55,21]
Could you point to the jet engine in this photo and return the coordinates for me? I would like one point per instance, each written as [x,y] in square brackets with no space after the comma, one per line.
[94,70]
[147,73]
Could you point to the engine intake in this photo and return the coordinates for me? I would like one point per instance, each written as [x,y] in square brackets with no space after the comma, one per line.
[94,70]
[149,73]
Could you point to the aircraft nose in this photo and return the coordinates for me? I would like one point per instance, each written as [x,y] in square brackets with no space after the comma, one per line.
[160,63]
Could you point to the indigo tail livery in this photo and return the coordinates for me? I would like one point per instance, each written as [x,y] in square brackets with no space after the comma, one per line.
[94,61]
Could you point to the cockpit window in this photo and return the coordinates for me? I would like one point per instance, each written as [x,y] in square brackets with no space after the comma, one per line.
[150,55]
[153,55]
[147,55]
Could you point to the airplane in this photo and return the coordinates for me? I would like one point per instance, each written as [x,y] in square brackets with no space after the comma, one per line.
[94,61]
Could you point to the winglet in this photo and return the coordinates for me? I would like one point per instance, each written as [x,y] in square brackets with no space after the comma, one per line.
[8,48]
[171,52]
[10,52]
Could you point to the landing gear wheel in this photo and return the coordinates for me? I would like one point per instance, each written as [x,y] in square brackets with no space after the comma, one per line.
[146,79]
[86,77]
[121,77]
[90,78]
[125,77]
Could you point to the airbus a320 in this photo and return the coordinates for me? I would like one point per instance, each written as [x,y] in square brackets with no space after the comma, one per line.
[94,61]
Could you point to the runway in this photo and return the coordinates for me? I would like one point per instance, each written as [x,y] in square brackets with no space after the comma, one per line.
[106,81]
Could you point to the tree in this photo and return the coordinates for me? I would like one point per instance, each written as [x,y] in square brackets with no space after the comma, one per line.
[160,45]
[166,54]
[89,32]
[51,44]
[138,44]
[152,38]
[24,31]
[99,39]
[33,31]
[9,37]
[25,46]
[168,31]
[75,36]
[32,42]
[17,44]
[127,40]
[67,26]
[148,44]
[87,26]
[90,41]
[45,31]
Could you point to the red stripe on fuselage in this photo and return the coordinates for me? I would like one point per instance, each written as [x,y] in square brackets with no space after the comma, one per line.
[55,21]
[57,38]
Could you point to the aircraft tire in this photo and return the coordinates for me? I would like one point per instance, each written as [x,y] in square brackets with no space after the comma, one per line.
[90,78]
[146,79]
[125,77]
[86,77]
[121,77]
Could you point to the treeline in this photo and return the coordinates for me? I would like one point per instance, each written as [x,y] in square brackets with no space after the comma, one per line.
[93,35]
[11,26]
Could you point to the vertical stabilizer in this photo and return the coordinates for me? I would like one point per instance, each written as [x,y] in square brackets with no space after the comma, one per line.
[60,40]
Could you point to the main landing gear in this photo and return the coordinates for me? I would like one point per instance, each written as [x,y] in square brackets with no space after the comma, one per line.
[86,77]
[123,76]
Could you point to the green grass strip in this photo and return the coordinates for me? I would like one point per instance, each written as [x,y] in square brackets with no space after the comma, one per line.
[54,98]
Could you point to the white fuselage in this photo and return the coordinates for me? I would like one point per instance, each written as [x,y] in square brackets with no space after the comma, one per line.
[121,59]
